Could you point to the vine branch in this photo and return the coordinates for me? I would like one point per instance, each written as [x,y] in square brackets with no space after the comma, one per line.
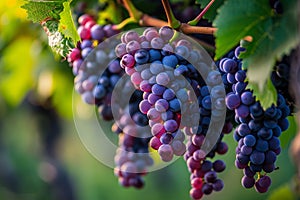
[147,20]
[133,12]
[172,21]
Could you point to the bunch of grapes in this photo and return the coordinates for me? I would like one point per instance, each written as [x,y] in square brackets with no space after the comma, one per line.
[96,77]
[203,171]
[178,104]
[91,35]
[95,83]
[132,158]
[258,130]
[162,70]
[160,102]
[280,78]
[173,101]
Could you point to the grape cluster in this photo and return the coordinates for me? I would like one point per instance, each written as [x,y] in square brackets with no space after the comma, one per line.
[132,158]
[157,80]
[95,89]
[258,130]
[203,171]
[171,101]
[91,35]
[161,71]
[281,80]
[96,77]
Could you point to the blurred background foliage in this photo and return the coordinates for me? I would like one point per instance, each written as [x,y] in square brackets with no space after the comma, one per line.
[41,156]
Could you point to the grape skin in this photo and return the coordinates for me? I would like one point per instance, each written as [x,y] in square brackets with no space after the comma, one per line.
[258,130]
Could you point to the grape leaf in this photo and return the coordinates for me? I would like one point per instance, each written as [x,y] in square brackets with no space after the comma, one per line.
[213,10]
[38,11]
[267,96]
[273,35]
[66,24]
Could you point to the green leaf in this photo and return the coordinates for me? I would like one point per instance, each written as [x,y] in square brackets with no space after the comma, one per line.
[38,11]
[272,35]
[213,10]
[66,24]
[57,41]
[267,96]
[287,136]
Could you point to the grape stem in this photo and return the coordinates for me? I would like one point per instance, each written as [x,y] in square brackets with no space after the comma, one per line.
[146,20]
[172,21]
[188,29]
[124,23]
[133,12]
[199,17]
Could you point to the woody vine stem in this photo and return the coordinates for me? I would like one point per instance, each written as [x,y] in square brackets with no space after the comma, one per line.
[143,19]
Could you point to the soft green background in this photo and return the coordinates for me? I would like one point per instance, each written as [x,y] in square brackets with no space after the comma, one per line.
[27,63]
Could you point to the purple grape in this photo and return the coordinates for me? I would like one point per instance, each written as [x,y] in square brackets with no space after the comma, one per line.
[246,150]
[141,56]
[229,66]
[162,79]
[171,125]
[182,52]
[154,55]
[158,89]
[127,61]
[170,61]
[242,111]
[152,98]
[174,105]
[218,185]
[210,177]
[156,67]
[247,172]
[131,36]
[166,33]
[240,76]
[257,157]
[196,193]
[166,152]
[132,46]
[274,143]
[233,101]
[157,43]
[248,182]
[166,138]
[207,188]
[161,105]
[97,32]
[168,94]
[247,98]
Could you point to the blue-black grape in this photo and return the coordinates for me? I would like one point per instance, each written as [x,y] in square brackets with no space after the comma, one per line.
[258,129]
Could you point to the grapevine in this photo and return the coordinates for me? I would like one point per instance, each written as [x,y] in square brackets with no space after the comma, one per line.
[175,98]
